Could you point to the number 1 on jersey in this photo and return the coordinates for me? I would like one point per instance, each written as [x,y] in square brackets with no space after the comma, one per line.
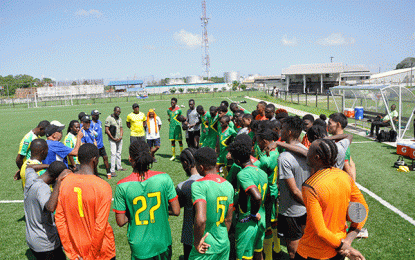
[81,209]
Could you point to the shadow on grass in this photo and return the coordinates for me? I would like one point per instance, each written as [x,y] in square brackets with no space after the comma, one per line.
[30,255]
[165,155]
[22,219]
[126,161]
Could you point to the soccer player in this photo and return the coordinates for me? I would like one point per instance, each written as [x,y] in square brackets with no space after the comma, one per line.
[184,192]
[260,108]
[175,131]
[336,126]
[136,121]
[212,136]
[70,141]
[193,126]
[204,118]
[57,150]
[142,200]
[253,185]
[83,208]
[308,123]
[213,206]
[237,120]
[39,204]
[226,136]
[24,147]
[270,112]
[293,171]
[234,107]
[153,126]
[326,195]
[223,111]
[96,126]
[39,151]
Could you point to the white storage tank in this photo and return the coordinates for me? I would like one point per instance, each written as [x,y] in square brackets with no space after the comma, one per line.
[193,79]
[231,76]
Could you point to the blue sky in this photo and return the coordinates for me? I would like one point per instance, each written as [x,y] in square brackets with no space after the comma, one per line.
[126,39]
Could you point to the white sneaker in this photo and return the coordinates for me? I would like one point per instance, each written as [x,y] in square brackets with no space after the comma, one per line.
[173,158]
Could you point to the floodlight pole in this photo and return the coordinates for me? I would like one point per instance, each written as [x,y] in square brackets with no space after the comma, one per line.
[400,111]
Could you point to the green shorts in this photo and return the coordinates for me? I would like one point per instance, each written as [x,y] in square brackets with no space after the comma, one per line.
[222,255]
[163,256]
[175,133]
[249,238]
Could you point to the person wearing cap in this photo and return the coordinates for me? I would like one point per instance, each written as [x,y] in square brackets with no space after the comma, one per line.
[24,148]
[96,126]
[153,126]
[113,128]
[89,134]
[136,121]
[57,150]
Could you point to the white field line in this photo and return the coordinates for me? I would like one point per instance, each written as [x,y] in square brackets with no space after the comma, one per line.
[371,194]
[17,201]
[362,142]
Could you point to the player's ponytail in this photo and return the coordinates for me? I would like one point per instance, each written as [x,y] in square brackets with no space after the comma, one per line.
[187,156]
[141,157]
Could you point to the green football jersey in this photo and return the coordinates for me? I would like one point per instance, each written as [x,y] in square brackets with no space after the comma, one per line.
[347,158]
[70,141]
[225,138]
[146,201]
[216,124]
[24,147]
[204,126]
[173,113]
[249,177]
[218,195]
[269,164]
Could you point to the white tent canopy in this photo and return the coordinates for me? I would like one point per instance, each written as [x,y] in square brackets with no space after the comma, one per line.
[379,98]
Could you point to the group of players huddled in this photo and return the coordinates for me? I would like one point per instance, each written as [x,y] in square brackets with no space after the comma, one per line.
[252,181]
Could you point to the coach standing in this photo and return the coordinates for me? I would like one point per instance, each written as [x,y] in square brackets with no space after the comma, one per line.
[96,125]
[113,128]
[136,121]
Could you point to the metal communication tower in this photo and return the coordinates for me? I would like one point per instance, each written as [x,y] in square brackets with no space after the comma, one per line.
[205,41]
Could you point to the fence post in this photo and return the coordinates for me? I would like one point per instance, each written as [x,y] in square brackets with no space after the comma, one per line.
[291,97]
[285,96]
[328,101]
[298,97]
[316,99]
[306,99]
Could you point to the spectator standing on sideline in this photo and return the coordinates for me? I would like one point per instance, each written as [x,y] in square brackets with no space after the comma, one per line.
[380,121]
[153,126]
[84,205]
[39,204]
[113,128]
[96,125]
[24,148]
[57,150]
[327,194]
[293,171]
[193,126]
[70,141]
[184,192]
[136,121]
[175,130]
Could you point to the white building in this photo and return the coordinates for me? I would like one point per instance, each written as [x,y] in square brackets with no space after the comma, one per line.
[401,76]
[320,77]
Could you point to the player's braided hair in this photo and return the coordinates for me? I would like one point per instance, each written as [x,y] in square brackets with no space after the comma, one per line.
[140,154]
[187,156]
[316,132]
[327,150]
[71,124]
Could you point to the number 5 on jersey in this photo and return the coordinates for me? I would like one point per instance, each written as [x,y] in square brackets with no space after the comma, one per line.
[222,207]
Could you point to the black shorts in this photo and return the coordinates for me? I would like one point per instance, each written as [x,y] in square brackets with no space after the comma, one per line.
[291,227]
[137,138]
[153,142]
[102,151]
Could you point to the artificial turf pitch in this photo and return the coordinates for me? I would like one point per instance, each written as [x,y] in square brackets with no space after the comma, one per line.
[390,236]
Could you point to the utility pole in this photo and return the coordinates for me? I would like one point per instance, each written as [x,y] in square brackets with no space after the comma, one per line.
[205,41]
[331,59]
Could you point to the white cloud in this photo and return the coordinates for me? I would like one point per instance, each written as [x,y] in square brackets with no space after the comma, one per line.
[92,12]
[335,39]
[288,42]
[190,40]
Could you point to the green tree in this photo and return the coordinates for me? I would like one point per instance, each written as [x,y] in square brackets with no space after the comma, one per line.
[235,85]
[172,90]
[85,82]
[243,87]
[207,89]
[223,89]
[215,89]
[73,83]
[406,63]
[181,90]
